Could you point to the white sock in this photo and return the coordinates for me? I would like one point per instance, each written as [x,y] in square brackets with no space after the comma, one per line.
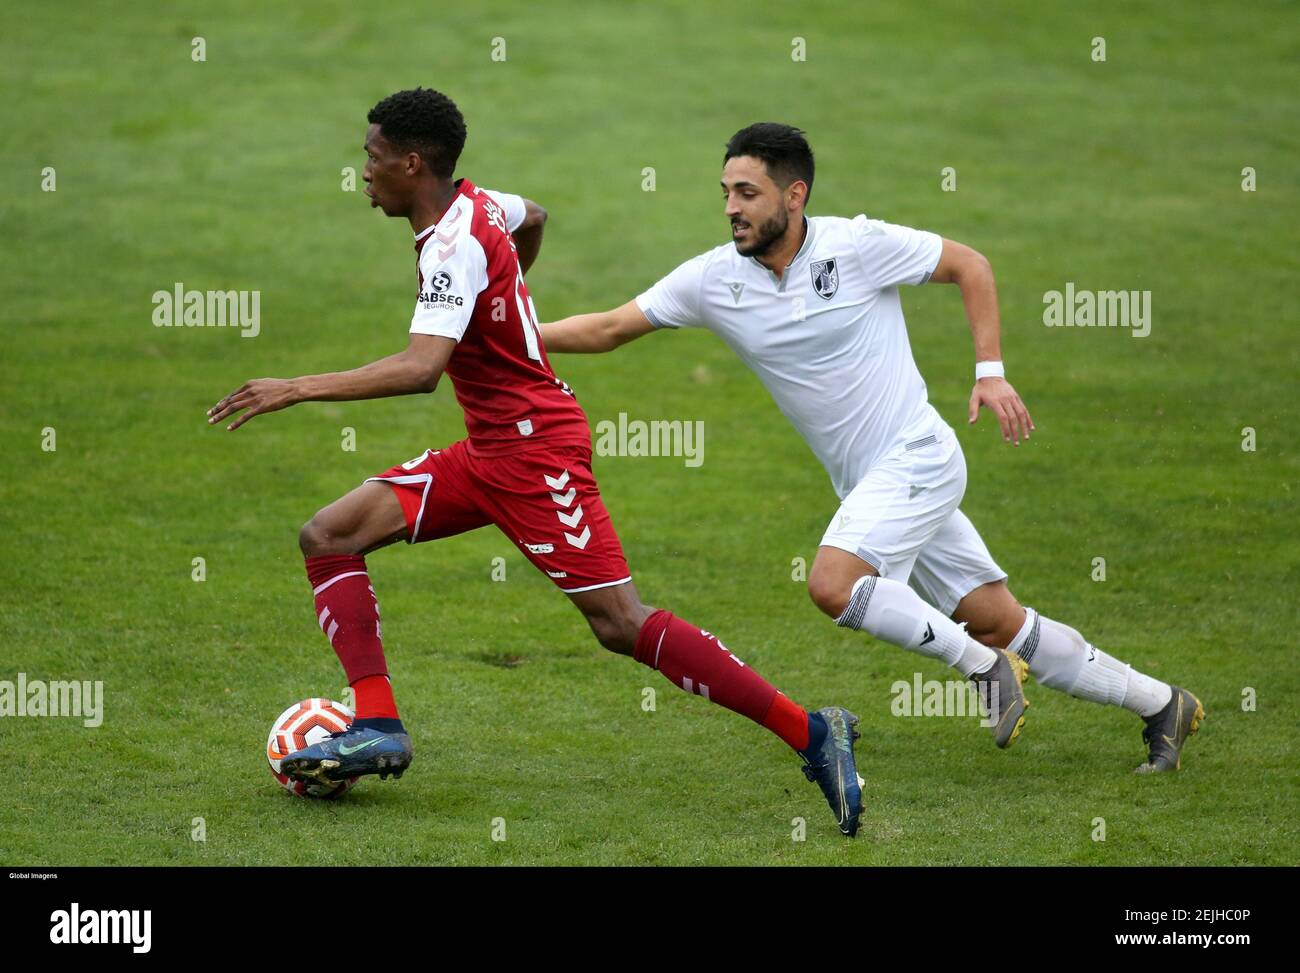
[892,611]
[1146,696]
[1059,657]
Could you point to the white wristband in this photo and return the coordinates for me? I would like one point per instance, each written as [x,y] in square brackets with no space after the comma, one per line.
[989,369]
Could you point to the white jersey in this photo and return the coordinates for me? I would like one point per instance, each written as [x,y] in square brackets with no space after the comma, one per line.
[827,339]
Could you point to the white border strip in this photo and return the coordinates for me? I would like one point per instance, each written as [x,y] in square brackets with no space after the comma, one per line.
[337,577]
[426,479]
[593,587]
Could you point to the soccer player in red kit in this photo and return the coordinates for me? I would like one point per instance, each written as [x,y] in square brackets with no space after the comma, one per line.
[525,467]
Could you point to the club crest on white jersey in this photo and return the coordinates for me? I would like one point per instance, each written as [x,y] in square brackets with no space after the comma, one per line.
[826,281]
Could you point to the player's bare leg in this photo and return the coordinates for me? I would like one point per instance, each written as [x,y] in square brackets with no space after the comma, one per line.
[1061,658]
[690,658]
[699,663]
[615,615]
[334,543]
[360,521]
[851,591]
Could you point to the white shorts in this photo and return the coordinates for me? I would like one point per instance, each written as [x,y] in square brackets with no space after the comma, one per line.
[903,519]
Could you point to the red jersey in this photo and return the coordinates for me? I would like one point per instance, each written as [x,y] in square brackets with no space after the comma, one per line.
[472,290]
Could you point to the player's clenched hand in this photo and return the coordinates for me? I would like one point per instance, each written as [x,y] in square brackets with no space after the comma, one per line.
[257,396]
[997,395]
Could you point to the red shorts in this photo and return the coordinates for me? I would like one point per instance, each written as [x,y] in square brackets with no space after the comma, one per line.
[545,500]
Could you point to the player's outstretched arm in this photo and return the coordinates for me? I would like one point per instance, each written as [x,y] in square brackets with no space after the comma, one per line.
[528,234]
[970,270]
[416,369]
[605,331]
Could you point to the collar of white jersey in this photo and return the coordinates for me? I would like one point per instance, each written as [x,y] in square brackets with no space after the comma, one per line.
[809,228]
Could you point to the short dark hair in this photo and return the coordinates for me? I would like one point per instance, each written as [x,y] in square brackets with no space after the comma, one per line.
[424,121]
[782,148]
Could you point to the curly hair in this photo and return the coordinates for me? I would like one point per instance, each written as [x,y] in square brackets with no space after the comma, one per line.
[424,121]
[782,148]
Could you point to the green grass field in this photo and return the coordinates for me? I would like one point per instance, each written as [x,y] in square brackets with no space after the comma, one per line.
[225,174]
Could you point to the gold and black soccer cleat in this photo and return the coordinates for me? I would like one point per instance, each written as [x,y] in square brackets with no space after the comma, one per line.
[1001,696]
[1167,731]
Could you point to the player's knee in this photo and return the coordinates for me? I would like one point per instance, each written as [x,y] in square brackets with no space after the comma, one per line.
[309,538]
[830,595]
[614,632]
[317,538]
[997,631]
[617,630]
[986,633]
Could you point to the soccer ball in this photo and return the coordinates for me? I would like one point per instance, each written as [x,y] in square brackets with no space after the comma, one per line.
[302,725]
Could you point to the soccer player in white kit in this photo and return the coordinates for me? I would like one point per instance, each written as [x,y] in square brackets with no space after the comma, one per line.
[811,304]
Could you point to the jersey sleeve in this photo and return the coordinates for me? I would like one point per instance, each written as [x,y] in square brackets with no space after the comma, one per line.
[893,255]
[674,302]
[512,204]
[451,283]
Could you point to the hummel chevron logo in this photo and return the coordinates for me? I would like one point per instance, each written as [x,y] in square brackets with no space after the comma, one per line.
[448,240]
[580,541]
[360,746]
[929,634]
[455,215]
[736,290]
[564,499]
[570,520]
[557,483]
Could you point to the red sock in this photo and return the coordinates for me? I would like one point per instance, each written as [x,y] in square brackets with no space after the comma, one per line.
[374,698]
[700,664]
[348,613]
